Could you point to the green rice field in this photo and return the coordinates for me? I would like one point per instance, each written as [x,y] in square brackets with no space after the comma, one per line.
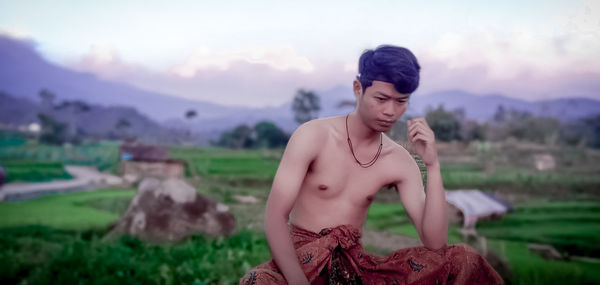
[59,238]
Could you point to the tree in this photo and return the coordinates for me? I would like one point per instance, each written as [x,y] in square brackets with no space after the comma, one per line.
[306,106]
[47,98]
[70,113]
[444,124]
[190,114]
[239,137]
[122,125]
[500,115]
[471,130]
[53,132]
[269,135]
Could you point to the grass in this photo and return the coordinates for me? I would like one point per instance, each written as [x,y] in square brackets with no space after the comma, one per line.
[510,178]
[229,164]
[545,221]
[33,171]
[72,224]
[393,218]
[73,211]
[569,226]
[528,268]
[103,155]
[58,239]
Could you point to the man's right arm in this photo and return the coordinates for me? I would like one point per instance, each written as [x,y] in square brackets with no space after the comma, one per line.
[299,153]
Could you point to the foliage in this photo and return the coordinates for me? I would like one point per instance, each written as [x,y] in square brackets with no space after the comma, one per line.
[41,255]
[268,135]
[306,105]
[47,98]
[445,124]
[585,131]
[239,137]
[264,134]
[53,132]
[190,114]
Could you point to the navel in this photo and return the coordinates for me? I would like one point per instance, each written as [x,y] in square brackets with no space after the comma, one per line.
[323,187]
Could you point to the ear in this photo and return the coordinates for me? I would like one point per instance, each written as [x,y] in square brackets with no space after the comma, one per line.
[357,88]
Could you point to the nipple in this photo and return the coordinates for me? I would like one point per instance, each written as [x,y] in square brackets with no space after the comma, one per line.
[323,187]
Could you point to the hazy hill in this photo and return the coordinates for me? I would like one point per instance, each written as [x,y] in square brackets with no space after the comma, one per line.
[97,121]
[24,72]
[476,106]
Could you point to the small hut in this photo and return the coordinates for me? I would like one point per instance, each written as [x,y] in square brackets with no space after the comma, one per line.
[139,161]
[468,206]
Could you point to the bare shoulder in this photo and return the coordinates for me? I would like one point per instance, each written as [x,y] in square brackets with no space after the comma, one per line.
[309,137]
[310,129]
[317,128]
[399,157]
[395,150]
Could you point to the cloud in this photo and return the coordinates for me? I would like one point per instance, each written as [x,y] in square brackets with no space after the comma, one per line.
[258,77]
[281,58]
[15,33]
[522,64]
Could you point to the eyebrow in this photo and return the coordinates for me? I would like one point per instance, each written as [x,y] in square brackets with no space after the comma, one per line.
[388,96]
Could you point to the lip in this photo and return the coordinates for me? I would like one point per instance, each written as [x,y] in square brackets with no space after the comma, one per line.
[384,122]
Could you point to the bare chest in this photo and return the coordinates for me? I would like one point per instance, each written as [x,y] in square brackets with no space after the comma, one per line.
[336,175]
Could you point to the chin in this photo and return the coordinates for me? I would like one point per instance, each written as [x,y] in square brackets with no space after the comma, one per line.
[382,129]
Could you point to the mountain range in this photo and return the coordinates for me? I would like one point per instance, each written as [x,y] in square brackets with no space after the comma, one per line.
[24,72]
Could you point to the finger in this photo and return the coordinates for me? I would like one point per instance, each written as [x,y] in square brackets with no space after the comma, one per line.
[420,137]
[424,137]
[414,130]
[422,129]
[414,125]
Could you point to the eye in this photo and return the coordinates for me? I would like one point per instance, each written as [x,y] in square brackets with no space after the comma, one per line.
[380,99]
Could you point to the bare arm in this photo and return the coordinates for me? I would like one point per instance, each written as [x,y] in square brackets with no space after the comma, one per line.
[428,209]
[296,159]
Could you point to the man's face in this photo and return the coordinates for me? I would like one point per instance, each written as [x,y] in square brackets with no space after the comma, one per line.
[380,105]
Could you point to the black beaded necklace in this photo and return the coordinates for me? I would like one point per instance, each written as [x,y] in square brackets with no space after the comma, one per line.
[368,164]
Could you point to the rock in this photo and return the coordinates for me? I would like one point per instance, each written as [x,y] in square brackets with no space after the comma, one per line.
[499,265]
[170,211]
[544,162]
[546,251]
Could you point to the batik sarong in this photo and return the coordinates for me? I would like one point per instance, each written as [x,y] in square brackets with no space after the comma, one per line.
[335,256]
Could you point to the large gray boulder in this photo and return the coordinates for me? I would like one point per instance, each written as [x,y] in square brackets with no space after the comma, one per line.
[170,210]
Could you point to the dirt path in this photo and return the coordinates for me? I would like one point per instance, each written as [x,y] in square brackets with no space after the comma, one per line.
[84,178]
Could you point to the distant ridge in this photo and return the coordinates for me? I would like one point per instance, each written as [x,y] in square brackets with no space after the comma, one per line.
[24,72]
[478,107]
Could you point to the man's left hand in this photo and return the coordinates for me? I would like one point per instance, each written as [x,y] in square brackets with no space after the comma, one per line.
[423,140]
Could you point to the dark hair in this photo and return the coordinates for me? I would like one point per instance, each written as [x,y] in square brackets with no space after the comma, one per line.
[392,64]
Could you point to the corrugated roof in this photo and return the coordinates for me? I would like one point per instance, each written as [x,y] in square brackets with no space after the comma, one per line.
[474,204]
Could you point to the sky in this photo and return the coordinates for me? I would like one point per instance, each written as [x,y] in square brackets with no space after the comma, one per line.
[258,53]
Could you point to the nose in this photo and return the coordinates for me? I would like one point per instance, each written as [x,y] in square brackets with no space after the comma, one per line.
[389,109]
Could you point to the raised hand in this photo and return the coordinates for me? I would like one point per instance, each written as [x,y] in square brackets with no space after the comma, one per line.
[423,140]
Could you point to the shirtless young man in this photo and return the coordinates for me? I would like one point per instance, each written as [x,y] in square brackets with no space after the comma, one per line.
[333,167]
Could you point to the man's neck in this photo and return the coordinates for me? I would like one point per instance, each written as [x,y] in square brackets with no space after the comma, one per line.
[359,132]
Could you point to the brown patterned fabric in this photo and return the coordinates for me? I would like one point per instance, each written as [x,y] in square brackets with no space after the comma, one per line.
[335,256]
